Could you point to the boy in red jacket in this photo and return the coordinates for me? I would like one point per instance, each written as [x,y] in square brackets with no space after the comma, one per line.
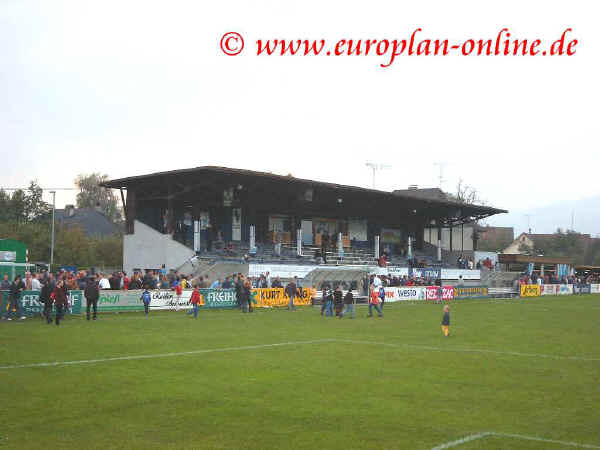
[195,301]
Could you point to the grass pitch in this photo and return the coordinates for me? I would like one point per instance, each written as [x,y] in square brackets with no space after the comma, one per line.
[528,368]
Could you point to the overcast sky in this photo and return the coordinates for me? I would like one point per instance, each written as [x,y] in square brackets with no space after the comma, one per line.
[128,88]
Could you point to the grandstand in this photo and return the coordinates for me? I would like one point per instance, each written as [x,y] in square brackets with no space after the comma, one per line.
[224,214]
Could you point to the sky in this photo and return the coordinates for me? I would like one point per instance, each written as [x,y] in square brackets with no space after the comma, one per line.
[128,88]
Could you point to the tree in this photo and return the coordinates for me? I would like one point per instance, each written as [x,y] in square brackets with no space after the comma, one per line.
[35,208]
[23,206]
[569,244]
[15,207]
[72,246]
[467,194]
[92,195]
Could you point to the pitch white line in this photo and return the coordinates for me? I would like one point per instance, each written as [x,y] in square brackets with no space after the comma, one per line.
[486,434]
[471,350]
[161,355]
[539,439]
[461,441]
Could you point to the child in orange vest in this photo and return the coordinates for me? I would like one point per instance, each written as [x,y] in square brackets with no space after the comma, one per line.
[374,302]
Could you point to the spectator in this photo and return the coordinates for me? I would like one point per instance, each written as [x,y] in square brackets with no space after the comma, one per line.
[45,298]
[382,261]
[134,283]
[348,305]
[148,280]
[164,282]
[202,283]
[247,294]
[290,291]
[124,281]
[338,300]
[104,283]
[92,294]
[81,280]
[60,300]
[27,281]
[115,282]
[35,283]
[5,284]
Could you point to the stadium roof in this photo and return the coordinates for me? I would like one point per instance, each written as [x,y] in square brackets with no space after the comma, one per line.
[185,181]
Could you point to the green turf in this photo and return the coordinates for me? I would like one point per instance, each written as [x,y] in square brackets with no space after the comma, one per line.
[419,391]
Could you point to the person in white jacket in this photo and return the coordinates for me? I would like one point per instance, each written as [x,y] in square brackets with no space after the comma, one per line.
[104,283]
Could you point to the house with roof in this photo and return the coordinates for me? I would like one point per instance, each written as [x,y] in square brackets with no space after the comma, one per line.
[525,243]
[93,222]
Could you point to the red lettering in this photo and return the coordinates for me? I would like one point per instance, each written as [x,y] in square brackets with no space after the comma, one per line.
[532,48]
[412,41]
[438,44]
[387,45]
[396,51]
[471,46]
[560,42]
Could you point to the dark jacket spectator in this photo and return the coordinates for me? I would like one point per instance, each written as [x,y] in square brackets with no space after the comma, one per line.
[16,288]
[291,289]
[135,284]
[60,297]
[46,291]
[92,290]
[349,298]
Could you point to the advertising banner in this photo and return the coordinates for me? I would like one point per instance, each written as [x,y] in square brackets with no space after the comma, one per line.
[270,297]
[566,289]
[467,274]
[164,299]
[280,270]
[119,301]
[425,272]
[595,288]
[397,294]
[30,303]
[394,271]
[433,292]
[218,298]
[550,289]
[531,290]
[582,289]
[470,291]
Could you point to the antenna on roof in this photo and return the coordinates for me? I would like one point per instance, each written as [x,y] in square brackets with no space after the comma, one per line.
[572,220]
[375,168]
[529,216]
[441,165]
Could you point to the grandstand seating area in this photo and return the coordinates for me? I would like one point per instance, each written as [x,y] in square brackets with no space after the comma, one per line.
[266,253]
